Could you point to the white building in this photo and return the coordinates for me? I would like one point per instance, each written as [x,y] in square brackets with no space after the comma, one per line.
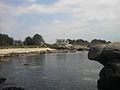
[62,42]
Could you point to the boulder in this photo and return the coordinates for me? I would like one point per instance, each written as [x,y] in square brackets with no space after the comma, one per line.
[95,53]
[109,57]
[112,52]
[105,53]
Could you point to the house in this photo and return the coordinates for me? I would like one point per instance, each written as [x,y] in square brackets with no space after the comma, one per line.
[62,42]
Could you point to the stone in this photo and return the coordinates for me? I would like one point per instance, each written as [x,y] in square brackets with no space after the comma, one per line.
[2,80]
[26,64]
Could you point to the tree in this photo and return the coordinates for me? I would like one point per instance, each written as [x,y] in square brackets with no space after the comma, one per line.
[28,41]
[38,40]
[78,42]
[18,42]
[70,41]
[82,42]
[99,41]
[35,40]
[5,40]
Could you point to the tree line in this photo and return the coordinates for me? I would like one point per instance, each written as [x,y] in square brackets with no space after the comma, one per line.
[6,40]
[37,39]
[78,42]
[87,43]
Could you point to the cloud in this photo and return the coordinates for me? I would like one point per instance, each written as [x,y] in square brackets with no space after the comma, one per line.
[76,29]
[30,1]
[88,18]
[78,8]
[83,9]
[58,7]
[6,9]
[7,25]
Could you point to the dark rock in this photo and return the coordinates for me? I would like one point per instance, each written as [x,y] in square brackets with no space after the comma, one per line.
[105,53]
[95,53]
[13,88]
[26,64]
[2,80]
[108,84]
[109,57]
[110,70]
[112,52]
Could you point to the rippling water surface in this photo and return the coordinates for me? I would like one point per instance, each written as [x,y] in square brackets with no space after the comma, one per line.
[60,71]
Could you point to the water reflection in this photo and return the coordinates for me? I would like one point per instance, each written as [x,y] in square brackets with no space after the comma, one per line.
[60,56]
[36,59]
[68,71]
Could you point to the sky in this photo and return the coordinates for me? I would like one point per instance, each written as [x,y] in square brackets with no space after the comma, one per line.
[61,19]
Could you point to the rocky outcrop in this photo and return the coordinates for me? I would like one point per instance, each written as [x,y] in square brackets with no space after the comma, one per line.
[95,53]
[109,57]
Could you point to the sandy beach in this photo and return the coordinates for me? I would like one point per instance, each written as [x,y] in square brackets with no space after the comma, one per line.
[12,51]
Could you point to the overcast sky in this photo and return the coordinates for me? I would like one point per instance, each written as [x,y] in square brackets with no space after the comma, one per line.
[74,19]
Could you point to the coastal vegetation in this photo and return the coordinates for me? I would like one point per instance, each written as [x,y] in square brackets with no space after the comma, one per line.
[99,42]
[35,40]
[5,40]
[78,42]
[38,41]
[29,42]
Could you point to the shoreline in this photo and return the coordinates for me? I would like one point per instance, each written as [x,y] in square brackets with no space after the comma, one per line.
[11,52]
[4,53]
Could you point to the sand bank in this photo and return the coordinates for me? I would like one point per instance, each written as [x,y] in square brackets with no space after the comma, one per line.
[17,51]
